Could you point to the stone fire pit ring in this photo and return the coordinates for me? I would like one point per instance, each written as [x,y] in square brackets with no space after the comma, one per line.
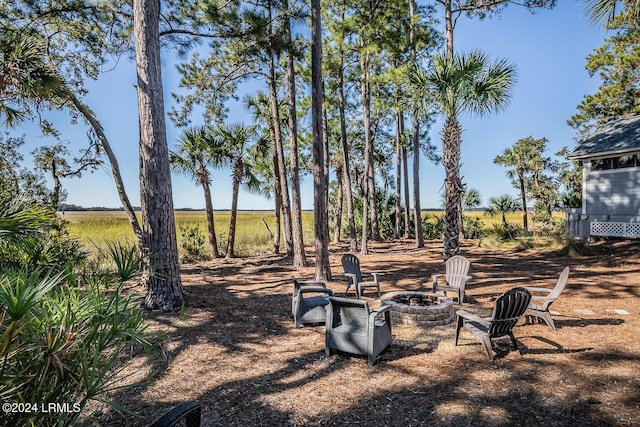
[419,308]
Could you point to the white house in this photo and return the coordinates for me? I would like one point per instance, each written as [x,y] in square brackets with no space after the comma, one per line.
[610,182]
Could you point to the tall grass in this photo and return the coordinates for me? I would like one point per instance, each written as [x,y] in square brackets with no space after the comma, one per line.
[97,229]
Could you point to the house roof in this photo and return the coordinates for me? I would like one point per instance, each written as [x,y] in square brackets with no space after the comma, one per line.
[617,136]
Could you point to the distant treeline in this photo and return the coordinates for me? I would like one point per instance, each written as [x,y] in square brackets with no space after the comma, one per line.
[63,207]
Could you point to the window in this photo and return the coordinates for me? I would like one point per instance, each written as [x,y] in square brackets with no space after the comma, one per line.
[600,164]
[618,162]
[628,161]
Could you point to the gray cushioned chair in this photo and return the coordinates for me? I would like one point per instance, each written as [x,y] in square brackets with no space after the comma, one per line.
[353,328]
[309,301]
[507,311]
[351,266]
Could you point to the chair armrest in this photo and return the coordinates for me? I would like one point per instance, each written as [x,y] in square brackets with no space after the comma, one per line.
[368,283]
[435,277]
[312,283]
[375,276]
[541,298]
[380,309]
[466,315]
[542,290]
[352,277]
[322,290]
[377,311]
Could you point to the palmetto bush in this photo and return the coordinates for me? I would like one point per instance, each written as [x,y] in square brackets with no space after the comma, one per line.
[129,262]
[61,343]
[32,236]
[62,334]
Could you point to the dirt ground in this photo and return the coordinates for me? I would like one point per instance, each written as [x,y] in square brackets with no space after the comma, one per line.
[235,350]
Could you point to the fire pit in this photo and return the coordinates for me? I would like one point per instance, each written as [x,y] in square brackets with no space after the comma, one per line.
[419,308]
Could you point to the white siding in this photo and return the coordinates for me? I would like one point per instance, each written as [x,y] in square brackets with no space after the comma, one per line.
[612,192]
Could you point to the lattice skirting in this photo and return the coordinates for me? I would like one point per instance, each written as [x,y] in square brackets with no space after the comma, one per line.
[616,229]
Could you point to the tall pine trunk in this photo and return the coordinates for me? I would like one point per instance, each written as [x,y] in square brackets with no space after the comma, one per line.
[399,144]
[368,149]
[339,204]
[164,288]
[353,242]
[284,187]
[321,230]
[417,210]
[299,257]
[405,183]
[278,203]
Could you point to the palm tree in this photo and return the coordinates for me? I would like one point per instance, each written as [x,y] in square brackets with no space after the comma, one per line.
[196,152]
[471,198]
[460,83]
[517,156]
[25,78]
[22,217]
[237,142]
[602,12]
[502,205]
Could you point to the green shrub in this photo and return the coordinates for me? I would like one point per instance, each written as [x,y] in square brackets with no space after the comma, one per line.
[62,333]
[61,344]
[32,237]
[506,231]
[473,227]
[433,229]
[192,241]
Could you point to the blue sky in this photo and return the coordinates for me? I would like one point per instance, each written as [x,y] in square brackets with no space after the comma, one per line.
[549,49]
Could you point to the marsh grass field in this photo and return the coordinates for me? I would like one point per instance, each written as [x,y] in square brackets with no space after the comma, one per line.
[95,229]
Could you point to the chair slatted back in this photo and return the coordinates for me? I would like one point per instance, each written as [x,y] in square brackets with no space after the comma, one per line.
[347,311]
[351,264]
[456,268]
[557,290]
[508,309]
[296,292]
